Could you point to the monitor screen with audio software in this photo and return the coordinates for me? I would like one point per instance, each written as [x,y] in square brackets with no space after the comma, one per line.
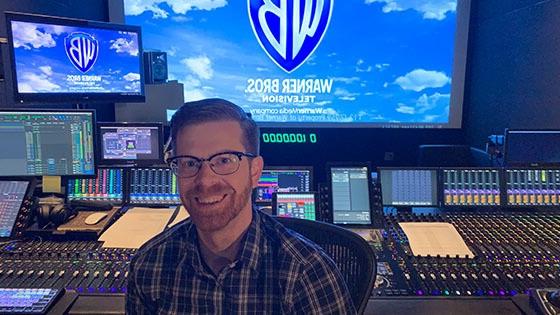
[130,143]
[350,195]
[295,205]
[11,197]
[283,179]
[47,142]
[409,186]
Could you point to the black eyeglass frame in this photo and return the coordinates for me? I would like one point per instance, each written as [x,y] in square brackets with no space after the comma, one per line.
[201,160]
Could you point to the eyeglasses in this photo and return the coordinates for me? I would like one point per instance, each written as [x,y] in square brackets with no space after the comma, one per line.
[223,163]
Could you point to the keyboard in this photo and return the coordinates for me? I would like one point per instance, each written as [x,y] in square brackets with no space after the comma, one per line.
[26,301]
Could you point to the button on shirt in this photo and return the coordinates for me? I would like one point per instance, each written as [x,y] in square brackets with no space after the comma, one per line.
[277,272]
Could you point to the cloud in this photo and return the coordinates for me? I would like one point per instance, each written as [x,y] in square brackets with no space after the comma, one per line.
[262,69]
[424,104]
[430,118]
[132,76]
[201,66]
[346,80]
[31,82]
[401,108]
[47,70]
[27,35]
[361,67]
[181,19]
[381,66]
[420,79]
[430,9]
[322,103]
[172,51]
[134,86]
[193,90]
[122,45]
[345,95]
[137,7]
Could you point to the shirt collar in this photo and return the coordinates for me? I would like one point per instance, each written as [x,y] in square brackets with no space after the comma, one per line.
[252,247]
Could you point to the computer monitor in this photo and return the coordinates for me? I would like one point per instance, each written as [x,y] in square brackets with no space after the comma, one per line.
[130,143]
[153,186]
[67,60]
[283,179]
[107,186]
[532,147]
[12,194]
[47,142]
[534,187]
[301,205]
[471,187]
[350,194]
[409,186]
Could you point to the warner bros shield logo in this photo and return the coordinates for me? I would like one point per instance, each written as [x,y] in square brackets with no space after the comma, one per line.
[289,31]
[82,49]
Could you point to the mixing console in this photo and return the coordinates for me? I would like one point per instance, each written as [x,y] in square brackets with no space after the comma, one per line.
[153,186]
[533,187]
[471,187]
[106,186]
[513,252]
[79,265]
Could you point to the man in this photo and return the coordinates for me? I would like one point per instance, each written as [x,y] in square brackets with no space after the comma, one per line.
[228,258]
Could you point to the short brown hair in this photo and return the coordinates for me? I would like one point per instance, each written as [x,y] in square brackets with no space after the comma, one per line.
[215,109]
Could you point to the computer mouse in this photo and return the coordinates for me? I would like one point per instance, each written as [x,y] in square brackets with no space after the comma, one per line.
[95,218]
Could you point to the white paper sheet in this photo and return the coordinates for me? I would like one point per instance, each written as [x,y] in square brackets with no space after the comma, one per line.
[438,238]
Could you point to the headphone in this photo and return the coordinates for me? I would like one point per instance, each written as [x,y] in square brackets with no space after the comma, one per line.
[54,211]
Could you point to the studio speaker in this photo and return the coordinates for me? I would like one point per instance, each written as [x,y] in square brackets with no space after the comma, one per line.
[155,67]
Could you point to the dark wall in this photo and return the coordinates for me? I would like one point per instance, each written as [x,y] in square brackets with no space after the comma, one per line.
[89,9]
[380,147]
[513,67]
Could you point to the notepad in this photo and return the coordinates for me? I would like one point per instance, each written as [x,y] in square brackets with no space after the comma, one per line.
[433,239]
[136,227]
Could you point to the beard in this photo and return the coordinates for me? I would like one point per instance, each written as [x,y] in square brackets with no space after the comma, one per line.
[215,216]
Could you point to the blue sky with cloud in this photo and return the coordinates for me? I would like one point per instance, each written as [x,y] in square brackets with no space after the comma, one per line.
[43,65]
[390,60]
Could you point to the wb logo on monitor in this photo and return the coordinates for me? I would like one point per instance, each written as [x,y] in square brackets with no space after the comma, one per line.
[289,30]
[82,49]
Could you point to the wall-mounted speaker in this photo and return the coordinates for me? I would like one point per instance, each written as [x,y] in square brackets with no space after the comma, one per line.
[155,67]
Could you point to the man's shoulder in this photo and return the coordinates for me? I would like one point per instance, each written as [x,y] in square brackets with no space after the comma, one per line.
[294,246]
[169,243]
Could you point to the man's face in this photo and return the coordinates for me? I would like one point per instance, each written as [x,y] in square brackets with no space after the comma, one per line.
[214,200]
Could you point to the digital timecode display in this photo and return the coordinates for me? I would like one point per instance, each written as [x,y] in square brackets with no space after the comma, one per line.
[289,137]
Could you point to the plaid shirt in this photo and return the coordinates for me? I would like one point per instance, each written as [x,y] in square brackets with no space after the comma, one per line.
[277,272]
